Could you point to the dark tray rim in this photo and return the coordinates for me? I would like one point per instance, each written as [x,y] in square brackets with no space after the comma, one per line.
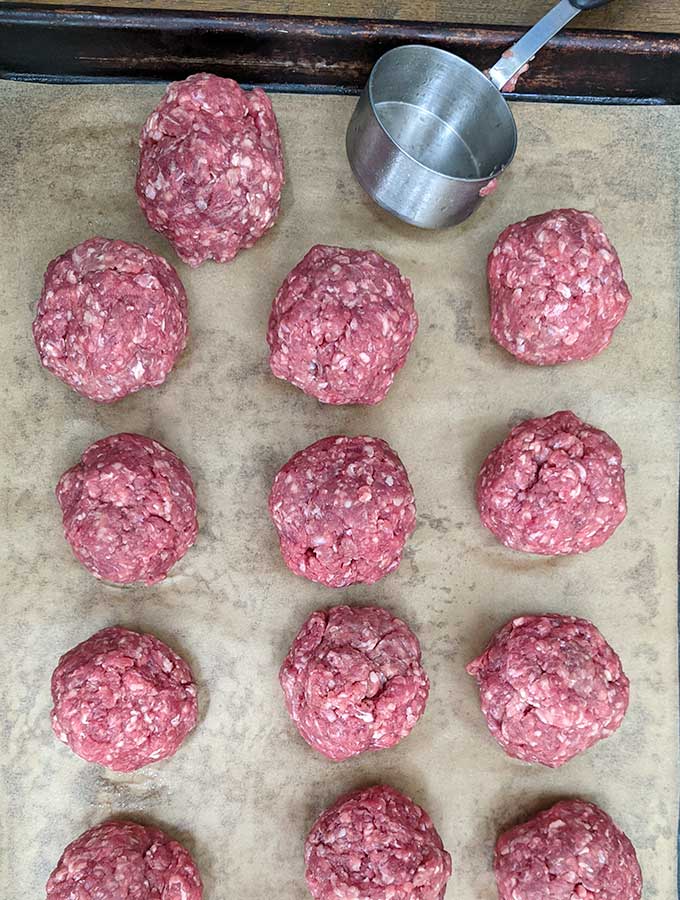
[94,44]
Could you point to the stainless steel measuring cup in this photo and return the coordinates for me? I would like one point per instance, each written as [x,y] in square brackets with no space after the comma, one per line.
[431,132]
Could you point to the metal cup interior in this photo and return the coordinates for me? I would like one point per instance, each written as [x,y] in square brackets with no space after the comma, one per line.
[442,112]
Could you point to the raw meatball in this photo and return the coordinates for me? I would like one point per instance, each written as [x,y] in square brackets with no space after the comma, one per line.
[376,844]
[341,325]
[556,288]
[555,486]
[120,860]
[210,168]
[353,681]
[551,687]
[572,851]
[129,509]
[343,508]
[123,699]
[112,319]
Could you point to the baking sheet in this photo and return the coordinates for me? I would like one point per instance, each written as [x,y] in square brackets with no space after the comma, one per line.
[244,789]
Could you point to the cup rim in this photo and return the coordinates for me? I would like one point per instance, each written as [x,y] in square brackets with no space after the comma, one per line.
[440,52]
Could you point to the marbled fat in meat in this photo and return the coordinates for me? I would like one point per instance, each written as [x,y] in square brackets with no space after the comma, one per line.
[344,509]
[376,844]
[210,168]
[111,319]
[341,325]
[555,486]
[123,700]
[125,861]
[353,680]
[550,687]
[129,509]
[556,288]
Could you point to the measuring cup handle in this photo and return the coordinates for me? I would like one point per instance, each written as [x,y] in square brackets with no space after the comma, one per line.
[588,4]
[517,56]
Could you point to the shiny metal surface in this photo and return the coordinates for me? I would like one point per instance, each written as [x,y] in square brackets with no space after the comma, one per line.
[429,132]
[529,44]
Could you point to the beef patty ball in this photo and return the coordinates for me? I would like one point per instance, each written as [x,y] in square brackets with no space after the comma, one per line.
[112,319]
[572,850]
[129,509]
[210,168]
[344,509]
[119,860]
[556,288]
[123,700]
[352,681]
[551,687]
[555,486]
[341,325]
[376,844]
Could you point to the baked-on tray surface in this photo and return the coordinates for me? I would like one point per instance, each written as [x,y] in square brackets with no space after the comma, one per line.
[244,789]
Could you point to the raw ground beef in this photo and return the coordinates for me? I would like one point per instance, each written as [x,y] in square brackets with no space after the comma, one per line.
[112,318]
[210,168]
[550,687]
[572,851]
[376,844]
[554,486]
[556,288]
[344,509]
[341,325]
[352,680]
[510,86]
[129,509]
[123,699]
[125,861]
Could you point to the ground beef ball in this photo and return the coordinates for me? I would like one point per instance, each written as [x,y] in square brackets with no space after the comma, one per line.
[121,860]
[112,318]
[555,486]
[551,687]
[376,844]
[123,699]
[343,508]
[210,168]
[556,288]
[352,681]
[129,509]
[572,851]
[341,325]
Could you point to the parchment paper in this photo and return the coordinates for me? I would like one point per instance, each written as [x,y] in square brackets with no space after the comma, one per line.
[244,789]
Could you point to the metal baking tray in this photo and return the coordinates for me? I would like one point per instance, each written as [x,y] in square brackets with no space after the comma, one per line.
[69,43]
